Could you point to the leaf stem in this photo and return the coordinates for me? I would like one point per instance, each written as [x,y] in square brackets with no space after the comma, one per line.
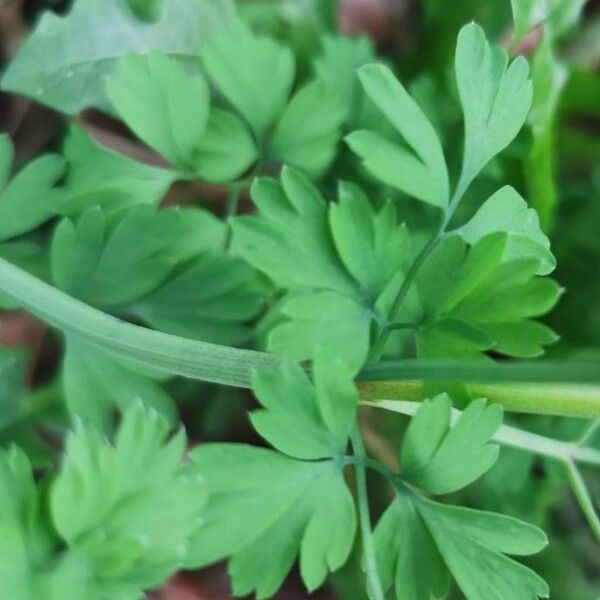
[370,558]
[567,453]
[231,366]
[589,432]
[583,497]
[413,271]
[161,351]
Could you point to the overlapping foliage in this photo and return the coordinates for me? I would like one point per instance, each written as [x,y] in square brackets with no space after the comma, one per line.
[368,237]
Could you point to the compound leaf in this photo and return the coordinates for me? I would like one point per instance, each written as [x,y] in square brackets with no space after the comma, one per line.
[483,299]
[209,299]
[109,265]
[474,545]
[130,507]
[305,420]
[337,288]
[432,450]
[419,542]
[265,509]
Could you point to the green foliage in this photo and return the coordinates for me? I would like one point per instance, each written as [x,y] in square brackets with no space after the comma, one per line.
[153,266]
[420,542]
[506,211]
[97,176]
[336,68]
[169,109]
[495,97]
[28,199]
[267,507]
[114,249]
[481,299]
[417,168]
[114,520]
[341,262]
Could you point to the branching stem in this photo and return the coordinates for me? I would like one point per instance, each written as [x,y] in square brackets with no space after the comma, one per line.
[567,453]
[413,271]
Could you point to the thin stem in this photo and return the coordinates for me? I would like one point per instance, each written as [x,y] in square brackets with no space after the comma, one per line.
[567,453]
[231,366]
[413,271]
[164,352]
[364,517]
[374,465]
[583,497]
[589,432]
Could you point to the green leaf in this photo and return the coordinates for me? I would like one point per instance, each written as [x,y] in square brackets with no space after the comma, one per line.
[473,545]
[65,62]
[432,451]
[336,67]
[304,420]
[30,198]
[340,262]
[371,245]
[420,541]
[131,507]
[255,74]
[483,299]
[25,535]
[96,382]
[407,556]
[97,176]
[19,499]
[164,104]
[109,264]
[506,211]
[210,299]
[226,150]
[417,166]
[265,509]
[495,97]
[292,217]
[322,318]
[307,134]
